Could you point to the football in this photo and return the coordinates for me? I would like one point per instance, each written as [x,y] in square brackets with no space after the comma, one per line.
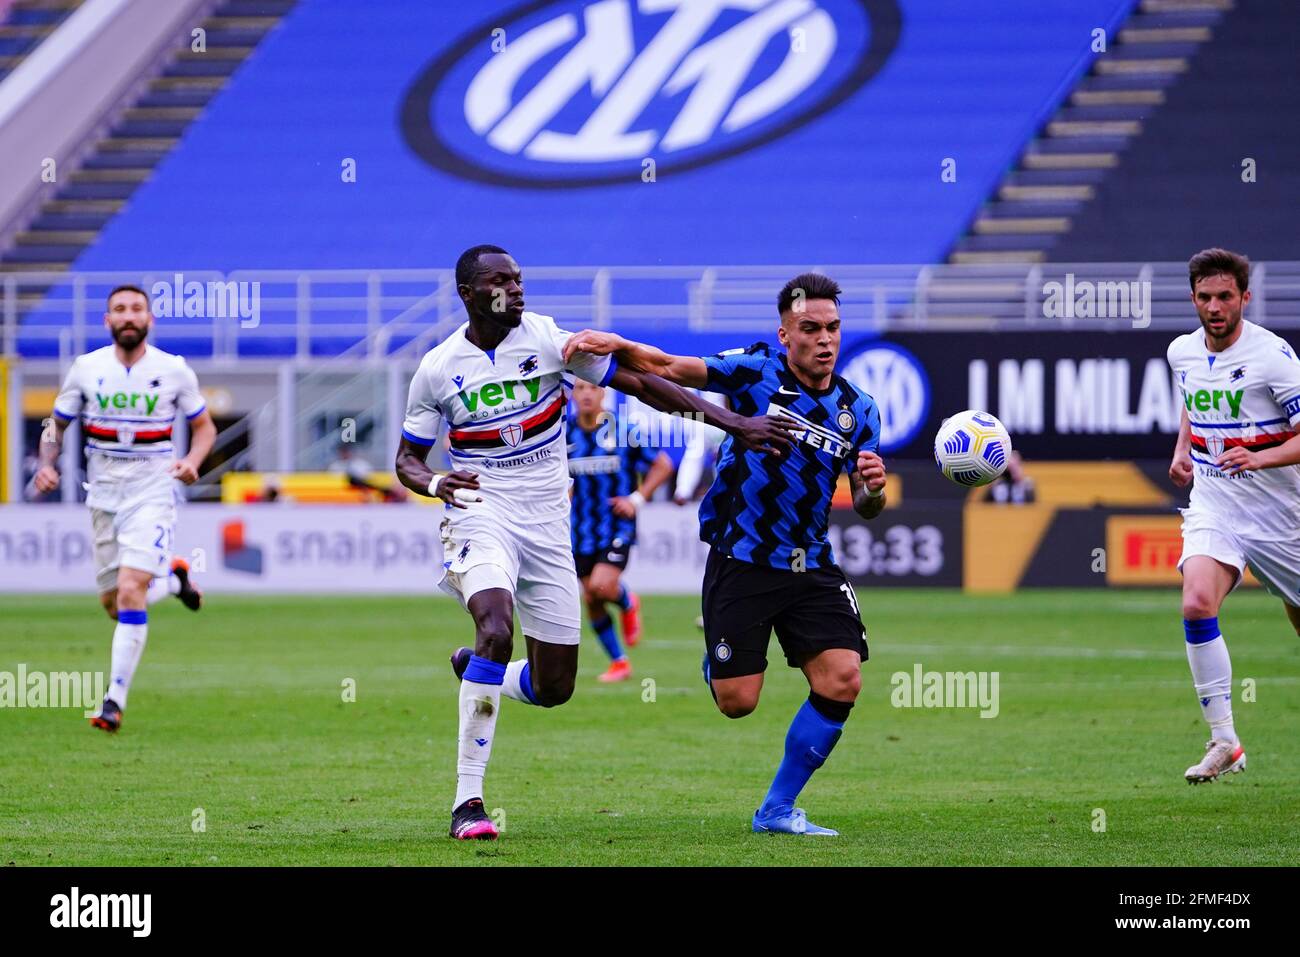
[972,448]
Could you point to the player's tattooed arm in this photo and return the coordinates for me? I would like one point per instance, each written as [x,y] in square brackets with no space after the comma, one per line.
[46,478]
[414,472]
[868,484]
[760,433]
[1180,469]
[689,371]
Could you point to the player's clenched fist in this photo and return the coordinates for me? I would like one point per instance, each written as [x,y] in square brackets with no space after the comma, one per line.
[46,479]
[450,487]
[872,469]
[184,471]
[593,342]
[1180,470]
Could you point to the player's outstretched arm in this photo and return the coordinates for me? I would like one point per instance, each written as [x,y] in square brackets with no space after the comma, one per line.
[46,478]
[413,471]
[689,371]
[761,433]
[868,484]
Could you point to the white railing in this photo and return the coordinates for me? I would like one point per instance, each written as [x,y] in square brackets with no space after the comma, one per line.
[378,313]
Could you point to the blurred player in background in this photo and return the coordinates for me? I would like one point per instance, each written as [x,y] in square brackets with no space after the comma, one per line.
[499,383]
[1238,446]
[770,564]
[605,501]
[128,395]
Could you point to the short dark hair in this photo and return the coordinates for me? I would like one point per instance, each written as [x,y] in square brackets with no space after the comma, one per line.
[468,262]
[809,285]
[126,289]
[1216,262]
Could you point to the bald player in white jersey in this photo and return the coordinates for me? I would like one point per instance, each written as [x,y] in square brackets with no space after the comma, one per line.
[499,385]
[1238,446]
[127,396]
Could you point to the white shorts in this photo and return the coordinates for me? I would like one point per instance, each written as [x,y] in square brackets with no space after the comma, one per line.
[139,536]
[1275,564]
[484,549]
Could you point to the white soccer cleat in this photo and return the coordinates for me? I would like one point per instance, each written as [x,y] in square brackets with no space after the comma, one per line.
[1221,757]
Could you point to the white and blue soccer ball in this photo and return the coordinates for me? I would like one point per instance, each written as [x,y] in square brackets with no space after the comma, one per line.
[972,448]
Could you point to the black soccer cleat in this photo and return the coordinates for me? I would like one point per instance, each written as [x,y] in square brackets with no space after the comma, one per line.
[109,717]
[470,822]
[460,661]
[190,596]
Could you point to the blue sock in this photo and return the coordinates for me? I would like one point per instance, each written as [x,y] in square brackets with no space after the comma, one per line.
[484,671]
[1201,630]
[604,628]
[624,597]
[808,744]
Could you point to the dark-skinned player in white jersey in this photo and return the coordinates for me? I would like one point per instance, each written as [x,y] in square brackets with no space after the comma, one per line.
[500,385]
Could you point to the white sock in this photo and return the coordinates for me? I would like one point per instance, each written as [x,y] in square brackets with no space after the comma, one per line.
[1212,675]
[513,686]
[160,588]
[128,645]
[479,704]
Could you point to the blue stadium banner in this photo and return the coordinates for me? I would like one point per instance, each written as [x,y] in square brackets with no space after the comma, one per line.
[1061,394]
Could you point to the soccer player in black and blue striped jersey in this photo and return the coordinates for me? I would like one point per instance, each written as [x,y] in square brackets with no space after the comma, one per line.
[770,565]
[608,489]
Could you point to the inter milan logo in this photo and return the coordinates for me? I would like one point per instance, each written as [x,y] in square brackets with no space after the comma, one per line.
[845,421]
[528,366]
[723,651]
[512,434]
[1237,374]
[564,93]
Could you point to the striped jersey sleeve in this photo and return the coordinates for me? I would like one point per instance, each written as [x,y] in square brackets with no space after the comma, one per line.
[736,371]
[868,435]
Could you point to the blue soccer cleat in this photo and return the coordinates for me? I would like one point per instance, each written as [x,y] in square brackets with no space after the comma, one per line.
[789,822]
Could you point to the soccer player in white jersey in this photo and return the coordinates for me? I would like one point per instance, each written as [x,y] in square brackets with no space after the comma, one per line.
[1238,446]
[500,385]
[127,396]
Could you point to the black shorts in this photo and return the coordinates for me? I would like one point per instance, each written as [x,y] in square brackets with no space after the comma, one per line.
[615,554]
[743,602]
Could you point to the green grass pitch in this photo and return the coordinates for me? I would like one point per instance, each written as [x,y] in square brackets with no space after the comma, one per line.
[238,711]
